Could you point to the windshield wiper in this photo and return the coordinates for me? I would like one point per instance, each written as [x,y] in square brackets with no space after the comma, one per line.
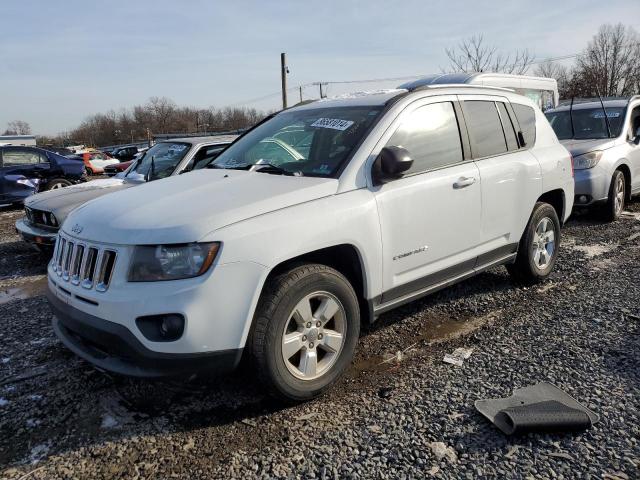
[265,167]
[152,169]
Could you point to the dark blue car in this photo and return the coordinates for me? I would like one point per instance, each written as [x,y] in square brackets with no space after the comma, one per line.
[27,170]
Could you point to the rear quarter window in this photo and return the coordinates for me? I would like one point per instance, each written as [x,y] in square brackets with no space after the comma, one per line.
[527,119]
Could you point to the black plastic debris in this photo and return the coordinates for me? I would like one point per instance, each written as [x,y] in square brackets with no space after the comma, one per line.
[540,408]
[385,392]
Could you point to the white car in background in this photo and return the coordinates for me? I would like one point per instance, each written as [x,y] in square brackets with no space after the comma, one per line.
[46,211]
[281,252]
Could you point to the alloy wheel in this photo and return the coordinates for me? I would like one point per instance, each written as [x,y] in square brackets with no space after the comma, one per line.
[314,335]
[544,243]
[619,195]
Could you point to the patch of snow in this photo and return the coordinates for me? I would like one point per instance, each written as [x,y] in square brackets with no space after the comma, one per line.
[364,93]
[3,402]
[109,422]
[39,452]
[32,422]
[6,360]
[35,397]
[592,251]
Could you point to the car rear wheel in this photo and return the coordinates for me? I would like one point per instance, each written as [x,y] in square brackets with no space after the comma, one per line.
[306,329]
[617,195]
[538,248]
[56,183]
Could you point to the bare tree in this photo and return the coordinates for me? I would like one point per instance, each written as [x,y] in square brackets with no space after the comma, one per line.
[18,127]
[610,65]
[473,55]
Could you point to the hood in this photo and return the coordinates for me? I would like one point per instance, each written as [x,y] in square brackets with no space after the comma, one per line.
[578,147]
[62,200]
[184,208]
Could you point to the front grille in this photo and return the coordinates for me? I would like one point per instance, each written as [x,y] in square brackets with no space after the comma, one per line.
[88,265]
[42,218]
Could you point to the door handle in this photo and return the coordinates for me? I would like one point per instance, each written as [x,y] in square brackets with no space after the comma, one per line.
[463,182]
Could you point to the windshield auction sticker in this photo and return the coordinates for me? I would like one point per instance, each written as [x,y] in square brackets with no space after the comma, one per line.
[333,123]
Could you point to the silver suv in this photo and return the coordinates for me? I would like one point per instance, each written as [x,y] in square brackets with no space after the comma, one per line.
[604,139]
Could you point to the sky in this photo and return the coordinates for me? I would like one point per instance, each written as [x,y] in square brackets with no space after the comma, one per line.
[62,61]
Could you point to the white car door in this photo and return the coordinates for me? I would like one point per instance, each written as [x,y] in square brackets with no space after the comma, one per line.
[510,175]
[429,218]
[634,148]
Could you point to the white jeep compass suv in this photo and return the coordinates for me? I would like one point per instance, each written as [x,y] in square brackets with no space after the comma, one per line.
[319,219]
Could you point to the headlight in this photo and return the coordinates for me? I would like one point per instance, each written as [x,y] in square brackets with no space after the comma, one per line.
[171,262]
[586,160]
[52,221]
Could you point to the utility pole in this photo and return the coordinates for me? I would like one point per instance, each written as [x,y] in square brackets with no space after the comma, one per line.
[283,73]
[322,94]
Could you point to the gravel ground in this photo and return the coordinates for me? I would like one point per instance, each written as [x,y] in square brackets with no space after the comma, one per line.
[410,417]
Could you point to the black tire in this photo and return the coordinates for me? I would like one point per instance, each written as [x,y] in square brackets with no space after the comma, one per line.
[612,209]
[57,183]
[526,269]
[275,312]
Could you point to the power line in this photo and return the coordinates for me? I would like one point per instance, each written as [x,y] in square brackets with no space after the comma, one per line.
[399,79]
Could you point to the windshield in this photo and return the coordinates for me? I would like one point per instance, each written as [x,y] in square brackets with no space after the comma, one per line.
[304,142]
[159,161]
[588,123]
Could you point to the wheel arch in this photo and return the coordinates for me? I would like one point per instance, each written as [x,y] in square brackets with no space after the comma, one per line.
[555,198]
[345,258]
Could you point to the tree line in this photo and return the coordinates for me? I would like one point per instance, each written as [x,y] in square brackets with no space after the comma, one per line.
[160,115]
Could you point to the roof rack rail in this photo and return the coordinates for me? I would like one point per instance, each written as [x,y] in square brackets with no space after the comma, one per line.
[460,85]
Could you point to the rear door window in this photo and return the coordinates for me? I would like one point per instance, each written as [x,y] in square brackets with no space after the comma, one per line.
[485,128]
[432,137]
[527,119]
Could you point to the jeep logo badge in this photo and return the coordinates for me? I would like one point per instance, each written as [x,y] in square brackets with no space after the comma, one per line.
[77,228]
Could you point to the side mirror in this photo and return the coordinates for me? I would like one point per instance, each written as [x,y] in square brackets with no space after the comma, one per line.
[391,164]
[636,138]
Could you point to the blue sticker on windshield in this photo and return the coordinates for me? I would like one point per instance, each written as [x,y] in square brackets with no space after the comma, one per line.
[609,114]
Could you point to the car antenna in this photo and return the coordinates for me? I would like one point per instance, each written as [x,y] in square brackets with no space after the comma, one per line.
[573,132]
[152,169]
[606,117]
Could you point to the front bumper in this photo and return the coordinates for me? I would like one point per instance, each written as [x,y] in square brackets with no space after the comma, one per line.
[111,346]
[592,183]
[36,235]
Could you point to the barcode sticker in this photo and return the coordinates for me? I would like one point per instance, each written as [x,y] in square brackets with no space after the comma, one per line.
[333,123]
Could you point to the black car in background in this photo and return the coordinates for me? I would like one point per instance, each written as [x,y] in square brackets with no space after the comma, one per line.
[27,170]
[65,152]
[124,154]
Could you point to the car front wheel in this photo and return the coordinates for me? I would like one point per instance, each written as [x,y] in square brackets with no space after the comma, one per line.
[56,183]
[306,328]
[616,198]
[538,248]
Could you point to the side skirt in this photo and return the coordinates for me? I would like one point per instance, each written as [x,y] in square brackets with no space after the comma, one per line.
[377,306]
